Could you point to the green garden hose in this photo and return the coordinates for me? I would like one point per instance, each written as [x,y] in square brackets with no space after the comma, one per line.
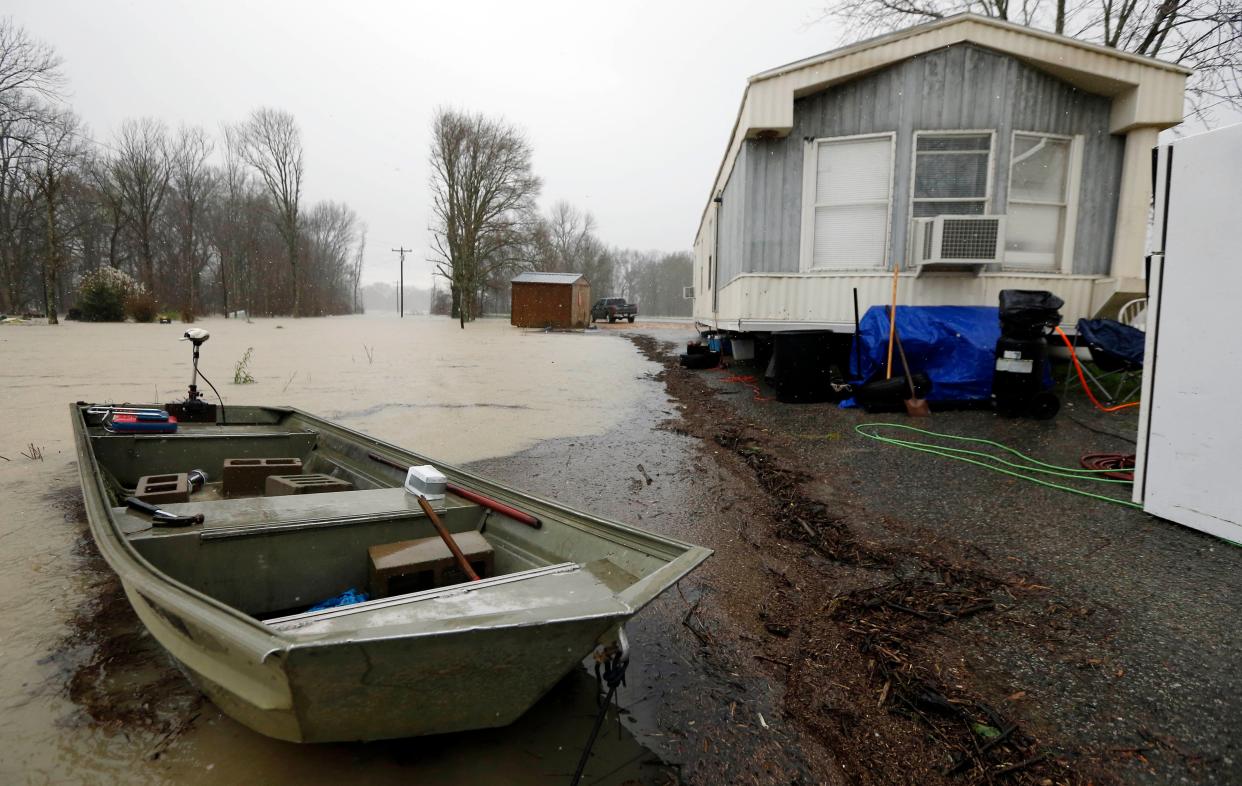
[1017,470]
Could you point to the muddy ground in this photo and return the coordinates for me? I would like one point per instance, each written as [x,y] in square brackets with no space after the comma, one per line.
[921,621]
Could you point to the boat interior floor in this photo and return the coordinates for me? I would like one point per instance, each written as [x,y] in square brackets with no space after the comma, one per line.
[281,555]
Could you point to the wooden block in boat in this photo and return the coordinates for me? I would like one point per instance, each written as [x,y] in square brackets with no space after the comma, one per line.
[248,476]
[426,563]
[162,489]
[311,483]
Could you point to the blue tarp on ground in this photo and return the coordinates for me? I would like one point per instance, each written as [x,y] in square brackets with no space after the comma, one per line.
[954,345]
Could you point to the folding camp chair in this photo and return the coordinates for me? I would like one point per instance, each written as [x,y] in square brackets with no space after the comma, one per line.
[1117,353]
[1134,313]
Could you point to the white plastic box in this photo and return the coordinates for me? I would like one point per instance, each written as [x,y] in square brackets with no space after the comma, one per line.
[425,481]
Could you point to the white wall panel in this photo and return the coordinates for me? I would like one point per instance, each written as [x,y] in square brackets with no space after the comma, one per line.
[827,298]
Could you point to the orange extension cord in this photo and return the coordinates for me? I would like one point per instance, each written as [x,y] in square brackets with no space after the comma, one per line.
[1087,388]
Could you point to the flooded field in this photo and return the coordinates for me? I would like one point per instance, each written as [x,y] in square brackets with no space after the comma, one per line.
[86,698]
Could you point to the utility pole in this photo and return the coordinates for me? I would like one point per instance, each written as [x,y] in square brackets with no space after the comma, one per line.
[401,285]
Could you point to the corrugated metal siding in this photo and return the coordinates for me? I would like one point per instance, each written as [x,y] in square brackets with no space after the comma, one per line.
[731,252]
[827,298]
[961,87]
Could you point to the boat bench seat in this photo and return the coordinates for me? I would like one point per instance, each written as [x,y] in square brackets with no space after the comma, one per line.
[531,597]
[225,517]
[128,457]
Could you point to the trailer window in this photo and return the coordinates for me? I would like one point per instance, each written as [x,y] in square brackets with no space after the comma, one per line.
[1039,187]
[951,173]
[847,197]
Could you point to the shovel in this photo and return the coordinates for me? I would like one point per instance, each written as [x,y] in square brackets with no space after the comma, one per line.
[915,407]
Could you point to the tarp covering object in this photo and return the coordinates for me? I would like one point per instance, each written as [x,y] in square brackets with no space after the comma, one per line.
[954,345]
[346,598]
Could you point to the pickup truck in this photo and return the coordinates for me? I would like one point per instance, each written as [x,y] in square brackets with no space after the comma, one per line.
[612,309]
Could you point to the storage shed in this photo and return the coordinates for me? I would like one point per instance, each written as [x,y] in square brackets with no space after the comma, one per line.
[969,154]
[561,300]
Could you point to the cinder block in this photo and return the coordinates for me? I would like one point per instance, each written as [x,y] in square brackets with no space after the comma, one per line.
[246,477]
[160,489]
[426,563]
[312,483]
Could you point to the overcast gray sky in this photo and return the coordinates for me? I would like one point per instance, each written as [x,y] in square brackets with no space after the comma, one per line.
[628,105]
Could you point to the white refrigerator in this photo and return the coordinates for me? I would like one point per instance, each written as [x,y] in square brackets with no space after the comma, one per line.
[1190,421]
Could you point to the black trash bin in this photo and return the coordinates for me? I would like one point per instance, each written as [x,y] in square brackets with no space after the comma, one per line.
[1026,318]
[801,366]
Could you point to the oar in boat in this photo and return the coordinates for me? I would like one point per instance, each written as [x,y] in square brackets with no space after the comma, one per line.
[447,537]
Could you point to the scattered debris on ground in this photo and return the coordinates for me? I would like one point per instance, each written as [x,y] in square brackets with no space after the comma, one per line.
[874,634]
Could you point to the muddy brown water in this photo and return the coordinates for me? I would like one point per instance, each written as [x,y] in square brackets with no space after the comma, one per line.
[86,697]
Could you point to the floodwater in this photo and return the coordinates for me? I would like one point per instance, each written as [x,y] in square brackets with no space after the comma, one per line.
[85,698]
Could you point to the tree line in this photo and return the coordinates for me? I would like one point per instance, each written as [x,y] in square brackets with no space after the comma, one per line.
[486,227]
[203,223]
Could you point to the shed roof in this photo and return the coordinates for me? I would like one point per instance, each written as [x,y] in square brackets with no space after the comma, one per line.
[534,277]
[1146,92]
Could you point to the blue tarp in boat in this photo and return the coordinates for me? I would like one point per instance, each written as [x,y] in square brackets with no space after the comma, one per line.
[954,345]
[346,598]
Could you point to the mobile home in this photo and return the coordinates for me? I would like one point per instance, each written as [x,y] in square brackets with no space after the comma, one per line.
[973,155]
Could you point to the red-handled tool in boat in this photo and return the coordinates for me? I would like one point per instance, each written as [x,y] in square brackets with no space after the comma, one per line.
[447,537]
[493,505]
[162,518]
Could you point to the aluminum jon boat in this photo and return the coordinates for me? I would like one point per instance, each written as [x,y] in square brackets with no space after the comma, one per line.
[230,595]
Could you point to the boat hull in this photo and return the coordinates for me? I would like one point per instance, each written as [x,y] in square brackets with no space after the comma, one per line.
[472,656]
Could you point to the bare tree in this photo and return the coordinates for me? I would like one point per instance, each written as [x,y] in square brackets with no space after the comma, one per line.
[356,271]
[330,229]
[30,77]
[28,69]
[272,145]
[102,174]
[482,192]
[58,149]
[17,205]
[193,182]
[141,169]
[1205,35]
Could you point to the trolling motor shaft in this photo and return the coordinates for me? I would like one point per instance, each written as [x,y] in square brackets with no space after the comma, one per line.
[196,336]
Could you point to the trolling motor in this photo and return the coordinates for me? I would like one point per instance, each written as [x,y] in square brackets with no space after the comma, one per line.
[194,409]
[197,337]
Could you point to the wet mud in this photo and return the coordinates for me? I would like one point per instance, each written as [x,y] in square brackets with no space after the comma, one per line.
[114,672]
[921,634]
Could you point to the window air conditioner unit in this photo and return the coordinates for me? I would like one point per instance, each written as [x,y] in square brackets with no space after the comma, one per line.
[687,293]
[957,243]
